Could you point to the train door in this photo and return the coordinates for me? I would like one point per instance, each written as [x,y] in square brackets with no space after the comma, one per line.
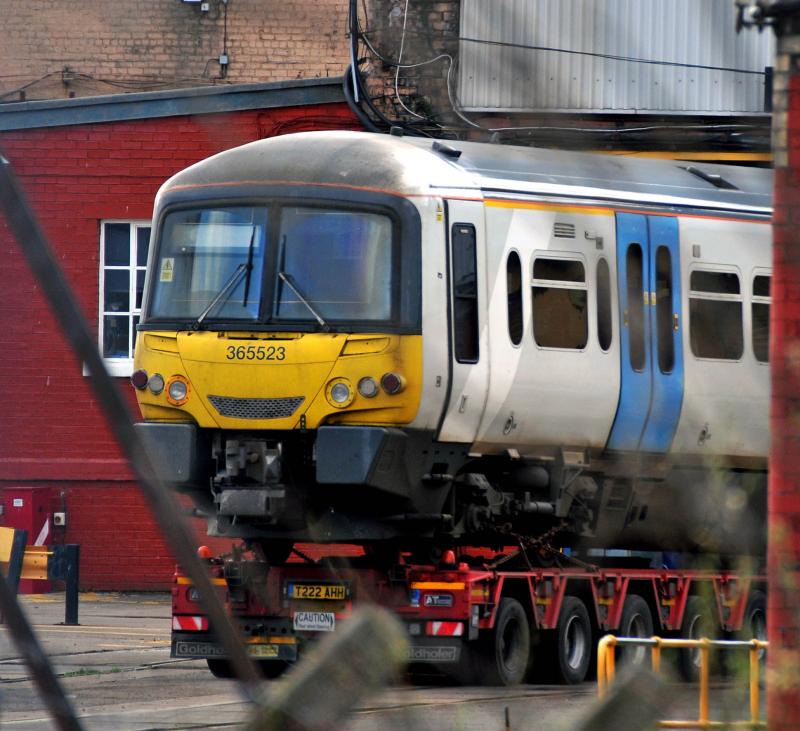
[651,365]
[467,322]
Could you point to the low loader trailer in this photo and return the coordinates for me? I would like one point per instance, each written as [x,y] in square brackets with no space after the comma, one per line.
[473,618]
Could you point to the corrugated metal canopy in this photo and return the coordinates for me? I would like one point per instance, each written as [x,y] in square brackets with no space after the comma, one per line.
[570,55]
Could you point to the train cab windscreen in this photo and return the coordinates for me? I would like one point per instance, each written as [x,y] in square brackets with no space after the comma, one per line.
[315,265]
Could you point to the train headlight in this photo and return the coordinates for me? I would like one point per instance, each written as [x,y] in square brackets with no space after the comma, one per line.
[339,393]
[177,390]
[367,387]
[392,383]
[139,379]
[156,383]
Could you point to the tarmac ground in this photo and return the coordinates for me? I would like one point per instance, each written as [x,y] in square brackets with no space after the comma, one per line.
[117,673]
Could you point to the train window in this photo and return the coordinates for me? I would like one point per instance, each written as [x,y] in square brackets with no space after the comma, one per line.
[514,293]
[664,313]
[635,311]
[465,293]
[211,263]
[604,333]
[715,315]
[560,303]
[123,258]
[337,263]
[760,312]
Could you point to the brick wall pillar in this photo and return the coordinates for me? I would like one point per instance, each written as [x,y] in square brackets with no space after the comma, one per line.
[783,694]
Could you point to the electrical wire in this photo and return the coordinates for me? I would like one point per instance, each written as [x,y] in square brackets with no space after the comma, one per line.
[595,54]
[131,84]
[399,61]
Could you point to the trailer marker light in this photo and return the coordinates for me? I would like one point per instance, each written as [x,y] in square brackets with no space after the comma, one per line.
[139,379]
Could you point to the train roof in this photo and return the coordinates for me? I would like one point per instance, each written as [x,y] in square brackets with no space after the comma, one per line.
[422,166]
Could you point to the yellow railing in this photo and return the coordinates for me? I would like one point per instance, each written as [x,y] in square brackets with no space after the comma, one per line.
[606,669]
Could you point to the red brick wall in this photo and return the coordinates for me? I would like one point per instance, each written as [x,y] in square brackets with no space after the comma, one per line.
[51,429]
[110,46]
[784,488]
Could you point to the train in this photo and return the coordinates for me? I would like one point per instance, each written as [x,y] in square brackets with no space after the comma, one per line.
[404,342]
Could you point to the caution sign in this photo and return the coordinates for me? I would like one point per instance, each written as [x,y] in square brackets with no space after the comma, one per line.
[167,269]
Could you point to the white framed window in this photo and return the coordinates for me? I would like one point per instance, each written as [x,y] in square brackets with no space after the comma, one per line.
[123,260]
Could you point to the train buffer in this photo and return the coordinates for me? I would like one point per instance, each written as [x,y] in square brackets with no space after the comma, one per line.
[55,563]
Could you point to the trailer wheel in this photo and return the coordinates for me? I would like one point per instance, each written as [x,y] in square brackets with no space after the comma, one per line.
[754,626]
[573,642]
[636,621]
[220,668]
[698,621]
[503,657]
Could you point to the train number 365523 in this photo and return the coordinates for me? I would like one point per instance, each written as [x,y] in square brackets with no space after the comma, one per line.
[256,352]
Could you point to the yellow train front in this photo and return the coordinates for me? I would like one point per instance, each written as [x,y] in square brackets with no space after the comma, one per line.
[273,310]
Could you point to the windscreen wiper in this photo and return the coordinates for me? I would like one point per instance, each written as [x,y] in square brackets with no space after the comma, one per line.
[288,279]
[227,288]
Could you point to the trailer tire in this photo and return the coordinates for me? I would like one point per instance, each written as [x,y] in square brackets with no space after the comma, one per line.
[636,621]
[573,642]
[502,658]
[698,621]
[220,668]
[754,625]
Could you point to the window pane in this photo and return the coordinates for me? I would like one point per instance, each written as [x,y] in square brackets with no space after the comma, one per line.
[635,312]
[715,329]
[514,289]
[761,286]
[664,319]
[133,333]
[142,245]
[565,270]
[559,318]
[339,261]
[139,288]
[117,244]
[115,336]
[716,282]
[761,331]
[465,294]
[604,334]
[202,252]
[116,293]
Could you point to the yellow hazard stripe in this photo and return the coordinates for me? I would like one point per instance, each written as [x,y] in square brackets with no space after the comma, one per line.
[186,581]
[454,585]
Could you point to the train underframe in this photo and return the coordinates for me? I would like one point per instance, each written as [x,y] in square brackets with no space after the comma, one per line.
[394,487]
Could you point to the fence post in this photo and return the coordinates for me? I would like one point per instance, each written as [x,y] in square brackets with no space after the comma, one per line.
[64,565]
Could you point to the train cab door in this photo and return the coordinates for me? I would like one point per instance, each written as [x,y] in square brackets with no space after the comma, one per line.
[467,341]
[651,366]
